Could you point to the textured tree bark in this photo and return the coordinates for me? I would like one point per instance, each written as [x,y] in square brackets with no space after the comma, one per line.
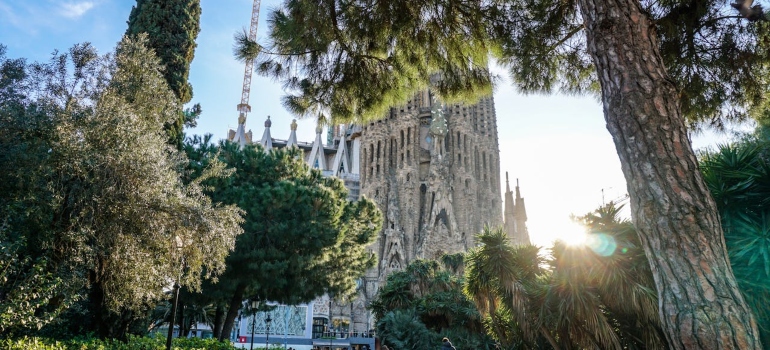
[677,220]
[232,312]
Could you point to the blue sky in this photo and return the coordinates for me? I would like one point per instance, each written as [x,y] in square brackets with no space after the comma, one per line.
[557,145]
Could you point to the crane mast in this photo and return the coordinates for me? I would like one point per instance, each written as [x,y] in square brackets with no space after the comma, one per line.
[244,108]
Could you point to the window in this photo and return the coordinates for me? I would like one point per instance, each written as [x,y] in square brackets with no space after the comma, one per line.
[409,136]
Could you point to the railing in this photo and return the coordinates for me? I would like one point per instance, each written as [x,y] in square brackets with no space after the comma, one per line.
[343,335]
[343,176]
[350,176]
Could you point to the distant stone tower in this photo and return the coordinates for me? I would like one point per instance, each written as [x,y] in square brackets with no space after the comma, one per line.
[433,169]
[515,216]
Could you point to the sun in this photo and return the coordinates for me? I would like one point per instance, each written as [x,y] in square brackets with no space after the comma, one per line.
[571,233]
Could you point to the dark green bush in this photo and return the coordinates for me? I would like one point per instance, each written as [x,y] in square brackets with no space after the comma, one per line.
[133,343]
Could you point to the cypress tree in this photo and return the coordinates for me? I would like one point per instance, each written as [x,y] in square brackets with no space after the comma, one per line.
[172,27]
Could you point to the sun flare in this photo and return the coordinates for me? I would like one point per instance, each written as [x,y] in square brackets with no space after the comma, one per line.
[572,233]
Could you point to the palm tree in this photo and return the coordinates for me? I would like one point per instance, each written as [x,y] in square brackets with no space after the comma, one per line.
[572,302]
[424,303]
[616,280]
[502,280]
[738,177]
[597,296]
[402,329]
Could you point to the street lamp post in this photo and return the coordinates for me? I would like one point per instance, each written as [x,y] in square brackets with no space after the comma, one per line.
[254,305]
[173,317]
[267,334]
[179,243]
[331,336]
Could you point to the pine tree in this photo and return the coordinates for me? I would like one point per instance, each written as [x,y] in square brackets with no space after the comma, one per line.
[172,27]
[358,58]
[302,237]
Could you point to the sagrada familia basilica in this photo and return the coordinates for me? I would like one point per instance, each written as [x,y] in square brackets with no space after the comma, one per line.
[433,170]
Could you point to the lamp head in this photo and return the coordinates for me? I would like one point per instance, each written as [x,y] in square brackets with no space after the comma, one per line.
[268,319]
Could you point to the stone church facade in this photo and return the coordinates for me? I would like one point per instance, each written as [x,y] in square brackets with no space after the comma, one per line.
[434,171]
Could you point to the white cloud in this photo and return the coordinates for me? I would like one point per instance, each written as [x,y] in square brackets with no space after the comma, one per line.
[7,14]
[75,9]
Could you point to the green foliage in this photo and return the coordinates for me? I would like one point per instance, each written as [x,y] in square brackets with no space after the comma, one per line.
[502,281]
[31,344]
[738,177]
[718,61]
[454,262]
[91,196]
[133,343]
[402,329]
[425,302]
[171,28]
[399,49]
[26,285]
[302,238]
[365,57]
[596,296]
[607,284]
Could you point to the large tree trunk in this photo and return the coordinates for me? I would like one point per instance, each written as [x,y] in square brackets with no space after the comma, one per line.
[107,324]
[219,320]
[232,311]
[677,221]
[96,309]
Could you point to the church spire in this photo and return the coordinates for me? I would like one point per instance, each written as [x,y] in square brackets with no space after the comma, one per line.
[341,164]
[520,217]
[520,210]
[267,140]
[240,136]
[293,135]
[317,158]
[515,215]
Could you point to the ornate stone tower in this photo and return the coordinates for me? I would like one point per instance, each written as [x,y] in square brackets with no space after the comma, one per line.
[515,216]
[434,170]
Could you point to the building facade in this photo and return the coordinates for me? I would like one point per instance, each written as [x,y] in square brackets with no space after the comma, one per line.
[433,169]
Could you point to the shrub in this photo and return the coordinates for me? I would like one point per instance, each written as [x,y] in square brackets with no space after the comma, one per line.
[133,343]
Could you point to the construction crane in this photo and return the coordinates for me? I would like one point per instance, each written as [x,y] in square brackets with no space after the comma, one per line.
[244,108]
